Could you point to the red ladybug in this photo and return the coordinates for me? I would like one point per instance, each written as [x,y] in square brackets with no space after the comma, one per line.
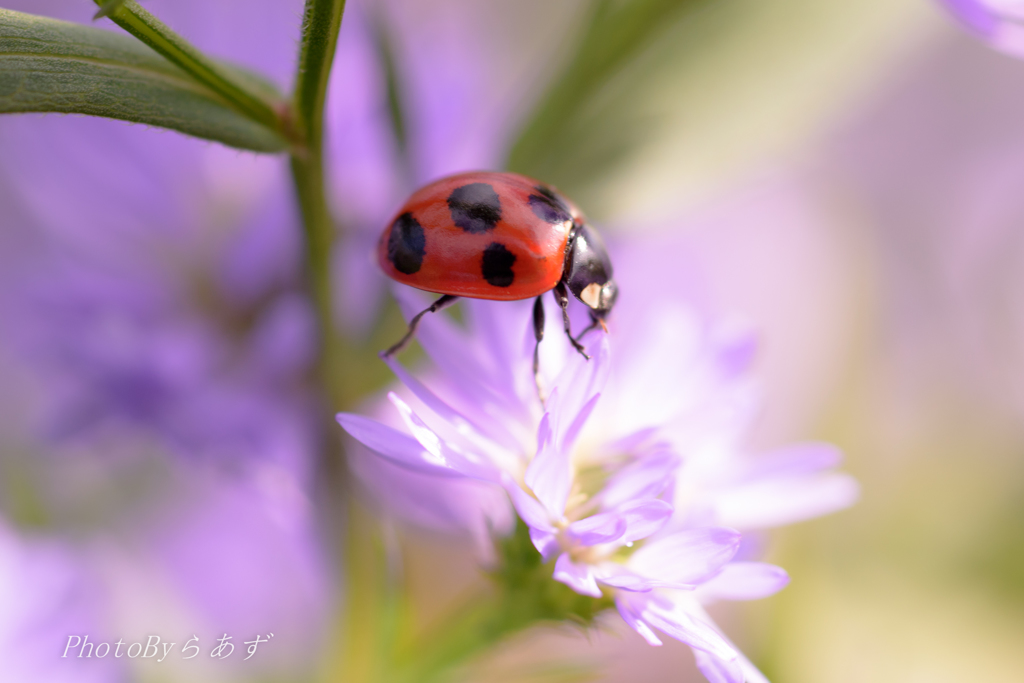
[498,236]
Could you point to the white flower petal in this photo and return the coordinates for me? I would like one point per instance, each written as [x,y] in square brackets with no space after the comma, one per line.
[463,425]
[686,557]
[395,446]
[718,670]
[784,501]
[596,529]
[673,619]
[791,461]
[643,518]
[632,618]
[443,452]
[546,543]
[648,477]
[549,474]
[576,386]
[579,577]
[529,508]
[744,581]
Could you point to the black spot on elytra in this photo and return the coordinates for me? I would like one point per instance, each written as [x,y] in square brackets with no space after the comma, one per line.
[551,195]
[475,208]
[406,244]
[547,210]
[497,265]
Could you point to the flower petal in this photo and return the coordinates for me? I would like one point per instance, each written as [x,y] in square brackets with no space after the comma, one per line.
[744,581]
[549,474]
[673,619]
[506,331]
[546,543]
[464,362]
[794,460]
[999,23]
[395,446]
[468,464]
[596,529]
[697,634]
[646,477]
[644,518]
[687,557]
[783,501]
[578,385]
[573,430]
[461,423]
[974,14]
[627,582]
[718,670]
[633,620]
[749,671]
[619,576]
[579,577]
[529,508]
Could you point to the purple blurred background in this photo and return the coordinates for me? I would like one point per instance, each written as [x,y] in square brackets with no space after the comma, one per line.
[842,178]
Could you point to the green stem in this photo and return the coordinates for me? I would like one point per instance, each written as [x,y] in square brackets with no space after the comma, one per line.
[523,595]
[320,26]
[369,594]
[248,96]
[308,175]
[464,636]
[321,23]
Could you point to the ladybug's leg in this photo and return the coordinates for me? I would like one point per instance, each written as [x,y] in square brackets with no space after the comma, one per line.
[562,297]
[538,332]
[444,302]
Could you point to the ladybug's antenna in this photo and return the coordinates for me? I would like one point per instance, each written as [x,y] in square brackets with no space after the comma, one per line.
[594,322]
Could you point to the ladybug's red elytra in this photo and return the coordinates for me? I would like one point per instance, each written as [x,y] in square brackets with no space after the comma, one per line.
[501,236]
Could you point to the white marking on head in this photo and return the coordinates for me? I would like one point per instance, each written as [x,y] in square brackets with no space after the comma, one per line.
[591,295]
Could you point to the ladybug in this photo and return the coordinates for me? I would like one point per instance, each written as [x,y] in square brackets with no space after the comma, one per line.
[499,236]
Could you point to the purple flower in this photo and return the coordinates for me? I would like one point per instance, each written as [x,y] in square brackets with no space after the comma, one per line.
[150,297]
[216,555]
[225,555]
[49,597]
[998,22]
[150,280]
[631,476]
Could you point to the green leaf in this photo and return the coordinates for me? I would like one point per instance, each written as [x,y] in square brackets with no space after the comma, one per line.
[107,8]
[247,97]
[566,142]
[54,66]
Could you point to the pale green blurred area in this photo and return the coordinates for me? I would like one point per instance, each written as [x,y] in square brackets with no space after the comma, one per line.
[924,579]
[733,118]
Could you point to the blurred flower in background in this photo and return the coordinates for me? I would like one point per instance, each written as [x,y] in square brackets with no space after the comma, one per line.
[47,594]
[153,320]
[996,21]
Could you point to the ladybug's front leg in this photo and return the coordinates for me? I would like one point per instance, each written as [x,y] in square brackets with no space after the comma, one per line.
[562,297]
[444,302]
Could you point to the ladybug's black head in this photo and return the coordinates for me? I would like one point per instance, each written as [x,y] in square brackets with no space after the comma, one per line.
[588,271]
